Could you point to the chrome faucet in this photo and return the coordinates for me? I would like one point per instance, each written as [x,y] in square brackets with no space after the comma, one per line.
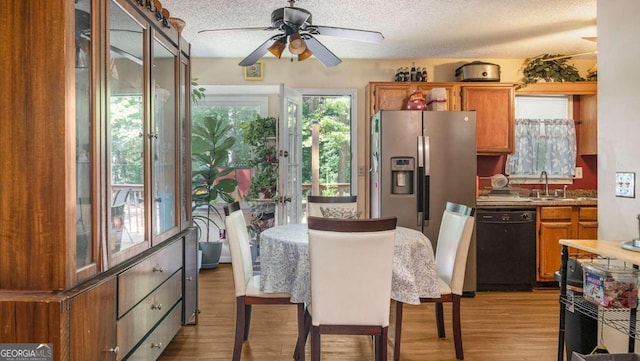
[546,182]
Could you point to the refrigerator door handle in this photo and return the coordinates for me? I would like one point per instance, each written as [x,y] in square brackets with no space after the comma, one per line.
[419,178]
[426,180]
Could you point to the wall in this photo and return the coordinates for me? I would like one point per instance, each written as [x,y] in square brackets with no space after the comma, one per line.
[351,73]
[618,115]
[618,125]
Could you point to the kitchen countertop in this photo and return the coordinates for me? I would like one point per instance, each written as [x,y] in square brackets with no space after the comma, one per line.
[502,201]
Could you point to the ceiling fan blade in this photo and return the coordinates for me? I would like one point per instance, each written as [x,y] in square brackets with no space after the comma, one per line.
[258,53]
[321,52]
[295,16]
[355,34]
[239,29]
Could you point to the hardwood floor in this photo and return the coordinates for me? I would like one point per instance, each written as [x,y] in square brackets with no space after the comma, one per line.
[509,326]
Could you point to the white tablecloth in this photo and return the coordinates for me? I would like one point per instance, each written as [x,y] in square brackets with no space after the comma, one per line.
[284,263]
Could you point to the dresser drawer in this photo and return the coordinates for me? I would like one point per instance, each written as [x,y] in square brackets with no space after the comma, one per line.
[143,317]
[138,281]
[155,343]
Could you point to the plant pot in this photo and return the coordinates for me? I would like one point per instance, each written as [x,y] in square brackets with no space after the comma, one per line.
[211,252]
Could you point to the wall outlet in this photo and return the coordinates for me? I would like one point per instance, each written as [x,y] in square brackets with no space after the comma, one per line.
[625,184]
[577,173]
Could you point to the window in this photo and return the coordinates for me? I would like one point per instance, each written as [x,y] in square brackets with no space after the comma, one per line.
[545,140]
[234,110]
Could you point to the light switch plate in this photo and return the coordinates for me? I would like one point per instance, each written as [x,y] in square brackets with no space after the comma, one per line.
[625,184]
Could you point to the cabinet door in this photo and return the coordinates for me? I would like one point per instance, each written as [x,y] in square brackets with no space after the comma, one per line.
[127,106]
[494,106]
[190,282]
[588,137]
[93,324]
[163,140]
[394,96]
[549,248]
[86,250]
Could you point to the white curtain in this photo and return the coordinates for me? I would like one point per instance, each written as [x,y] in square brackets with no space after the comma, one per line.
[548,145]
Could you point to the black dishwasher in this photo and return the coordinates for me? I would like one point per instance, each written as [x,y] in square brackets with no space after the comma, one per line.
[506,249]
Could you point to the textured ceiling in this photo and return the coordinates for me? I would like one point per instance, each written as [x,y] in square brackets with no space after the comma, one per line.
[412,29]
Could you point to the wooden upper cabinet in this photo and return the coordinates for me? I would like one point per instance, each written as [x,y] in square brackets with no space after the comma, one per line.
[588,135]
[494,106]
[394,95]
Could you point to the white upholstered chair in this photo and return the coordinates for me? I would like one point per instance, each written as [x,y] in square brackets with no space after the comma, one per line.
[247,286]
[351,267]
[315,202]
[452,249]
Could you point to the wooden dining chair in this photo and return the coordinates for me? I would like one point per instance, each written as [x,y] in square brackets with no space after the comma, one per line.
[315,203]
[452,249]
[247,286]
[351,267]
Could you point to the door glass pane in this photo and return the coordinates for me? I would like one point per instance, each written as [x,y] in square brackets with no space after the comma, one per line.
[125,129]
[84,130]
[326,145]
[289,148]
[164,138]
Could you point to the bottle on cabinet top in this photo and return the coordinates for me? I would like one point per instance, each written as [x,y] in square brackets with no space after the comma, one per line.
[411,74]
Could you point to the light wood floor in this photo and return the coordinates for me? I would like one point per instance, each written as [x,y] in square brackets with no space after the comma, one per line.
[509,326]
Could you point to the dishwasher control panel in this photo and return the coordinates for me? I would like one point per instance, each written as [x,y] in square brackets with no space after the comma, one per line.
[505,216]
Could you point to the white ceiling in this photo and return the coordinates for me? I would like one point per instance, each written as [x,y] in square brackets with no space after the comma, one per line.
[412,29]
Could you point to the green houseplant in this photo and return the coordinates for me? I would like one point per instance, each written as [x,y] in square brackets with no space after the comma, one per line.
[210,147]
[549,67]
[260,133]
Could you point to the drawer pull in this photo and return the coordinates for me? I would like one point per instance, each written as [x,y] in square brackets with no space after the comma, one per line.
[156,345]
[156,307]
[158,269]
[189,278]
[113,350]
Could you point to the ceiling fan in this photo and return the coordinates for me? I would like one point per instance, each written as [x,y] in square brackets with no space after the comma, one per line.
[295,27]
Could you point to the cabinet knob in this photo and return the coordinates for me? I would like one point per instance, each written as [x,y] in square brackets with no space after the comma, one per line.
[156,306]
[158,269]
[156,345]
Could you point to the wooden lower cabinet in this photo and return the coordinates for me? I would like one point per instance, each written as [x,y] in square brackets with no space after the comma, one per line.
[562,222]
[92,323]
[130,312]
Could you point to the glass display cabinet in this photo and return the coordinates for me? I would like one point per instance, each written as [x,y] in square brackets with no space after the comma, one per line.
[95,186]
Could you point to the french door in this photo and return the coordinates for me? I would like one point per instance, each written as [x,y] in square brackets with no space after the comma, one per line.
[289,207]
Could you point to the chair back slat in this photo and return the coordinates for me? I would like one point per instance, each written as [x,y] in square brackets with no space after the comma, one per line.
[351,269]
[315,202]
[239,247]
[452,248]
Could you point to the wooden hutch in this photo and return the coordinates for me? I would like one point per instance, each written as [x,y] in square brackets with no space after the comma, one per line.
[97,256]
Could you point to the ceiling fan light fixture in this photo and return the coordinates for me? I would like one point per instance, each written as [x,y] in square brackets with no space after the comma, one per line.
[297,46]
[278,47]
[306,54]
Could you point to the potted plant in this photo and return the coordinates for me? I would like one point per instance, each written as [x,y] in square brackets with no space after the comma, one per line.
[210,147]
[548,67]
[260,133]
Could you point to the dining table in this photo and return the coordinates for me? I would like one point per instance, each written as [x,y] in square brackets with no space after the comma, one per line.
[284,264]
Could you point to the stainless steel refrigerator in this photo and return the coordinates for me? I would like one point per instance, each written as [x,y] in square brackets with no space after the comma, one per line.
[419,161]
